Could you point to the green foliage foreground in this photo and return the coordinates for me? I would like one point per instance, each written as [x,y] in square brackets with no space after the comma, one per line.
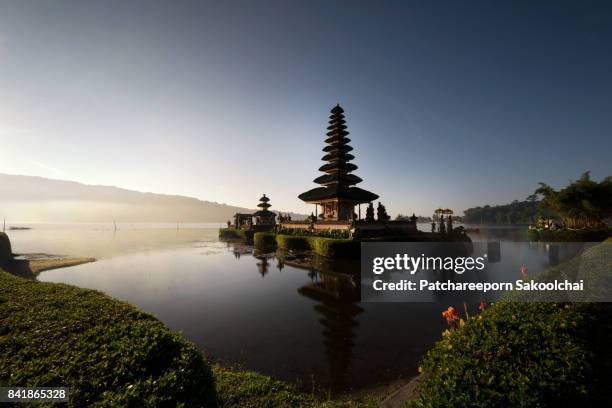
[105,351]
[525,355]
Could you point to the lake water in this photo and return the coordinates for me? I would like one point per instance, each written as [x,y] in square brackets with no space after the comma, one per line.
[296,318]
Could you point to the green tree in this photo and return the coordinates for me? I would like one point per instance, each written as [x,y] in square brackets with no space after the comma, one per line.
[582,204]
[370,212]
[381,213]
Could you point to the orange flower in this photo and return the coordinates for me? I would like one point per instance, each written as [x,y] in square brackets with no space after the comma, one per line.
[450,315]
[524,272]
[482,306]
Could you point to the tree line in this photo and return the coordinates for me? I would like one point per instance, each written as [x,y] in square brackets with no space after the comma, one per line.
[583,203]
[517,212]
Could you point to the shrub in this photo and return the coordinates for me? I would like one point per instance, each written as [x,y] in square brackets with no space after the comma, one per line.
[107,352]
[522,354]
[334,233]
[236,234]
[331,247]
[264,240]
[292,242]
[527,354]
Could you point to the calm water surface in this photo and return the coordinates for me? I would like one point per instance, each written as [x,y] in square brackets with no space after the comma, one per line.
[294,318]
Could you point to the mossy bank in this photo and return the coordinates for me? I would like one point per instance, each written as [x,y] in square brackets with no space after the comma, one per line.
[105,351]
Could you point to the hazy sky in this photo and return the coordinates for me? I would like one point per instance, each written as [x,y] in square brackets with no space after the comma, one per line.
[451,104]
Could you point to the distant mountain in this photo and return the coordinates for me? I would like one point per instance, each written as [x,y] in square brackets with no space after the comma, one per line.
[38,199]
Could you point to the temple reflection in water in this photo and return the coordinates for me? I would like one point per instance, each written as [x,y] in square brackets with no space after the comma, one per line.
[345,326]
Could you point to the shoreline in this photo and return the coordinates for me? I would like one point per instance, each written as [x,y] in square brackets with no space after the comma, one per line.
[31,265]
[40,265]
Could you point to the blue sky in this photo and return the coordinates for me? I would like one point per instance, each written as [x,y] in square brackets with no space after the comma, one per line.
[452,104]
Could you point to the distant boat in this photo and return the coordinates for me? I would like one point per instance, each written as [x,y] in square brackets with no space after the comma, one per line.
[19,228]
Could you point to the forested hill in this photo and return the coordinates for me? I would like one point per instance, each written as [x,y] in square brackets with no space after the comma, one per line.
[517,212]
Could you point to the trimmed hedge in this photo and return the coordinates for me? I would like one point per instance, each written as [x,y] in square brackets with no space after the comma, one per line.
[6,253]
[330,247]
[231,233]
[524,354]
[292,242]
[264,240]
[107,352]
[344,248]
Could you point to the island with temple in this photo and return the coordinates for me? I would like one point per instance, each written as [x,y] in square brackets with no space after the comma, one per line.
[337,225]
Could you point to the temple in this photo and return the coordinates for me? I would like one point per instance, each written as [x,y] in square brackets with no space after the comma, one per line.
[263,216]
[337,197]
[264,219]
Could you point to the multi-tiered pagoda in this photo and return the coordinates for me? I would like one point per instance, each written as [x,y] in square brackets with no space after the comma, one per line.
[264,216]
[337,196]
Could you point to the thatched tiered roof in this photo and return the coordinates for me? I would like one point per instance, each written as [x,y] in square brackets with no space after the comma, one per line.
[338,182]
[264,205]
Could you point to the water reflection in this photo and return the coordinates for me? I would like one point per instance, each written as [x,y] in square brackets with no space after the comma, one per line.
[337,297]
[294,316]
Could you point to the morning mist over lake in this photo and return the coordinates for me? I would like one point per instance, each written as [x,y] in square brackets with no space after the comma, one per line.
[305,204]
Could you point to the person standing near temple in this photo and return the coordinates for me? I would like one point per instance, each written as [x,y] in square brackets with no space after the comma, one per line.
[449,223]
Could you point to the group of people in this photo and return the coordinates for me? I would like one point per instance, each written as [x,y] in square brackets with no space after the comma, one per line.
[444,225]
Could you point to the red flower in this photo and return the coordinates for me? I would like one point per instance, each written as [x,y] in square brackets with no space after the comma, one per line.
[482,306]
[451,315]
[524,272]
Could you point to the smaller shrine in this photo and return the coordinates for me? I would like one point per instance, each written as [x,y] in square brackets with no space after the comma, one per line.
[263,216]
[261,220]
